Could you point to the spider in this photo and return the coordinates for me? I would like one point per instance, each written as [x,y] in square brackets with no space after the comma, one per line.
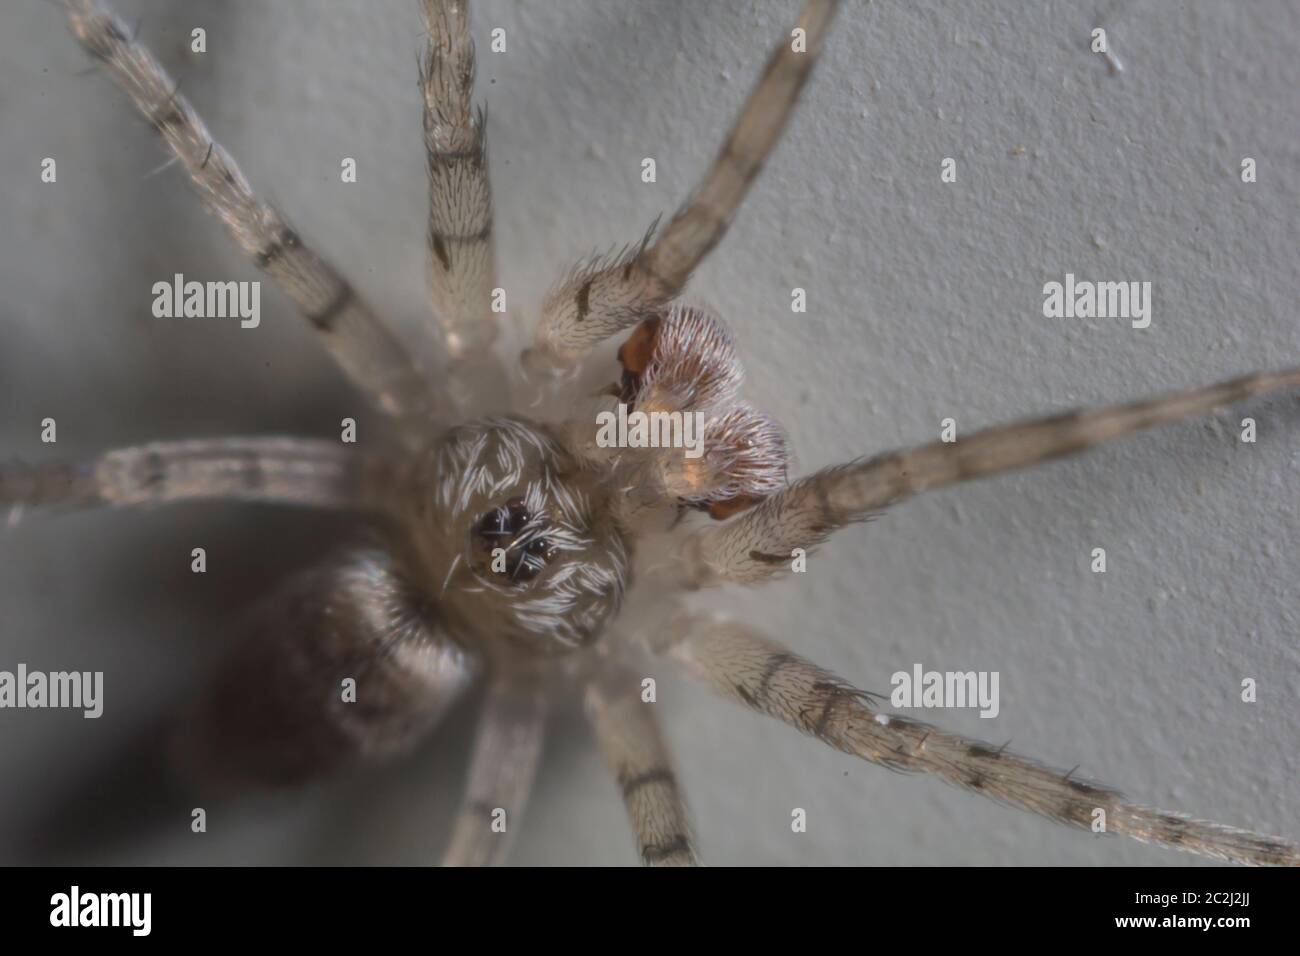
[516,549]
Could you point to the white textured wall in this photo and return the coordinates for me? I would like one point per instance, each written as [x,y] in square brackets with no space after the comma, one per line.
[924,302]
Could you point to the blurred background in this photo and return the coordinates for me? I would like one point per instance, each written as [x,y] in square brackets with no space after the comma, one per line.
[924,302]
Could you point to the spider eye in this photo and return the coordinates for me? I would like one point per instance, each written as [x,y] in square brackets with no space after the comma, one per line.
[506,520]
[510,544]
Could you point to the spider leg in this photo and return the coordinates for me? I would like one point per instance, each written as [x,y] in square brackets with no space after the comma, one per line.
[363,346]
[607,296]
[461,262]
[637,754]
[759,543]
[506,751]
[280,712]
[766,677]
[291,471]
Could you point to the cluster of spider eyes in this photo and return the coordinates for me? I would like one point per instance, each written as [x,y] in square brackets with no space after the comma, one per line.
[510,546]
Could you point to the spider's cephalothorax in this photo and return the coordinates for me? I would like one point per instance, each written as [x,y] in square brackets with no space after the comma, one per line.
[517,539]
[509,543]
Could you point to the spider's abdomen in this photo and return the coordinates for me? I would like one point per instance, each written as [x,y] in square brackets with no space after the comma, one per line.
[516,541]
[345,662]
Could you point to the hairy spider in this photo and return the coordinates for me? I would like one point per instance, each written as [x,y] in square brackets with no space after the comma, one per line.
[522,550]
